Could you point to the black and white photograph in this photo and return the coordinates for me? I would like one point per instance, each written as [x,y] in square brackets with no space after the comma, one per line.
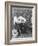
[21,22]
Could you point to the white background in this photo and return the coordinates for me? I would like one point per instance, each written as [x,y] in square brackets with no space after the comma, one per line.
[2,22]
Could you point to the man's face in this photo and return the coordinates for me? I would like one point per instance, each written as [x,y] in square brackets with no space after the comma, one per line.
[21,19]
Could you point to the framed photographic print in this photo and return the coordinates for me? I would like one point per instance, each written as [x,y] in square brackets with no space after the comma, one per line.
[20,22]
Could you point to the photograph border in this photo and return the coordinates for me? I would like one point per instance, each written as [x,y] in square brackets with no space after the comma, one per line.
[7,24]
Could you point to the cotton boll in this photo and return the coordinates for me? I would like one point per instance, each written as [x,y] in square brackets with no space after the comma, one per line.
[14,33]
